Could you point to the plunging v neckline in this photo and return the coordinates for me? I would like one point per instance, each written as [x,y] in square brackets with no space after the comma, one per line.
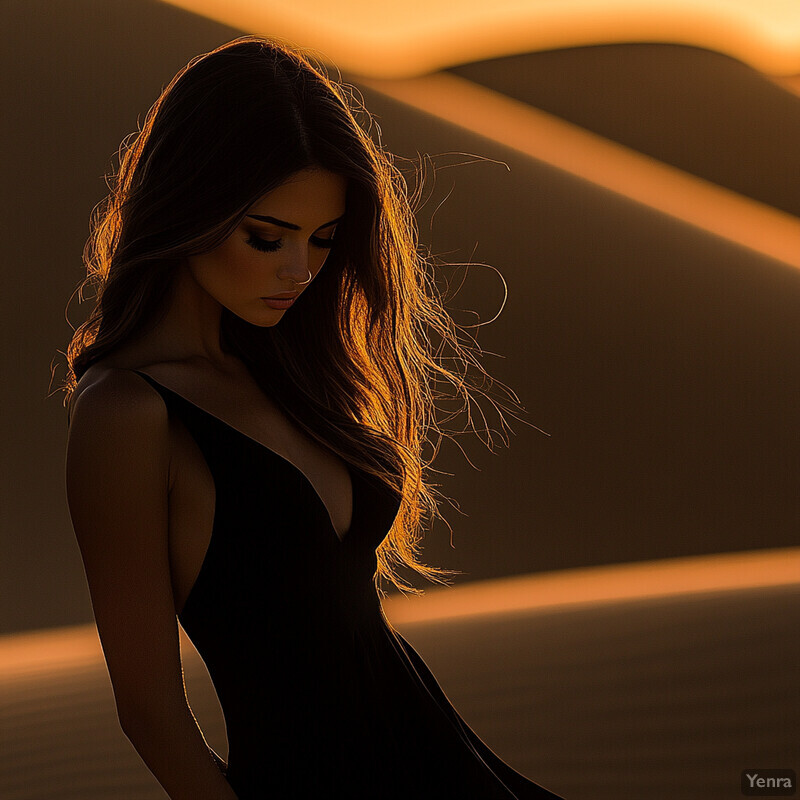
[350,471]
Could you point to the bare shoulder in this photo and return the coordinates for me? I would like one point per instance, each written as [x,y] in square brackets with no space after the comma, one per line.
[119,421]
[109,395]
[104,389]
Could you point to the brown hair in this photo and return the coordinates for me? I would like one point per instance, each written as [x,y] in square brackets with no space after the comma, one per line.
[365,378]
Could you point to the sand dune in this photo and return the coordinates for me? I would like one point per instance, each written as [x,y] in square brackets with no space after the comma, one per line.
[633,700]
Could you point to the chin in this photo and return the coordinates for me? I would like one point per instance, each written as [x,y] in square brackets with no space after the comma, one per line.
[262,324]
[260,321]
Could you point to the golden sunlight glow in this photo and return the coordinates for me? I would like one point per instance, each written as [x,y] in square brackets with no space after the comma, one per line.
[791,83]
[31,654]
[76,649]
[393,39]
[590,585]
[646,180]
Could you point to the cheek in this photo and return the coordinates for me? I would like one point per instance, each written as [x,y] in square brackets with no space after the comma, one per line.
[244,268]
[229,269]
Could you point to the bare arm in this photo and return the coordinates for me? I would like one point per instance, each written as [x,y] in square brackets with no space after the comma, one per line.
[117,478]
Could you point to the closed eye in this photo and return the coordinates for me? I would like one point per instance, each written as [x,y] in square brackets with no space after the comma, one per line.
[267,246]
[257,243]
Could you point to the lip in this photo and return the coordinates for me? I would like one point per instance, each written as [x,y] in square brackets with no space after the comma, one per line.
[282,296]
[279,302]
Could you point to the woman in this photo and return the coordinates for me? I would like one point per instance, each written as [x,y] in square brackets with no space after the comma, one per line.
[248,403]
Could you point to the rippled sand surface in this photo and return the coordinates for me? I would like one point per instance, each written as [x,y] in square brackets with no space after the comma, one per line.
[639,700]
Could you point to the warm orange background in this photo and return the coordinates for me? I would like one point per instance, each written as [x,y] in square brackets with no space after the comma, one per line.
[636,183]
[641,203]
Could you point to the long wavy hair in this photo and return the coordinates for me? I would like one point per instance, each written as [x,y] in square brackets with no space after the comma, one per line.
[365,378]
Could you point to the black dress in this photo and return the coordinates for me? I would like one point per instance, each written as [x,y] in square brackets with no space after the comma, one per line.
[321,696]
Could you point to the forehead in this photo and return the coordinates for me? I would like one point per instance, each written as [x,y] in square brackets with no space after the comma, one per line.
[307,198]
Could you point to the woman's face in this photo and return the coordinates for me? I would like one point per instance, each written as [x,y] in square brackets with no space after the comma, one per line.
[278,248]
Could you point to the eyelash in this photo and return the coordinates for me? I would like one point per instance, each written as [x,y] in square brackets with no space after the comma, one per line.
[266,246]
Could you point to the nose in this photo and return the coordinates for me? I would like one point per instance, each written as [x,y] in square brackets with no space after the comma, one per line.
[295,265]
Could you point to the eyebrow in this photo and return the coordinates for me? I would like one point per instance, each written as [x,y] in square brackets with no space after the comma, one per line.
[290,225]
